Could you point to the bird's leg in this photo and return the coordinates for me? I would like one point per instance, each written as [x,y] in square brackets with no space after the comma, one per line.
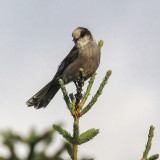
[78,97]
[79,83]
[76,83]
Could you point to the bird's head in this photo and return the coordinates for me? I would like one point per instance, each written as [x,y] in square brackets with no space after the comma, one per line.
[81,36]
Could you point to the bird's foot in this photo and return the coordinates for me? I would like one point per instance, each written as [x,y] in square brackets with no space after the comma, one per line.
[76,83]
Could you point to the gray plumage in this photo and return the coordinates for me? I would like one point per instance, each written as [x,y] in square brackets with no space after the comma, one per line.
[85,54]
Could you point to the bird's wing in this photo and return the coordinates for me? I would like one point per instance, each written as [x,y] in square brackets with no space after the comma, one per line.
[43,97]
[67,60]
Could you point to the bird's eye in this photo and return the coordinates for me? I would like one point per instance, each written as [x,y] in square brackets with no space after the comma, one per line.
[82,34]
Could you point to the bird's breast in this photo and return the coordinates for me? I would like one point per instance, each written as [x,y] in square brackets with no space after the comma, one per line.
[88,59]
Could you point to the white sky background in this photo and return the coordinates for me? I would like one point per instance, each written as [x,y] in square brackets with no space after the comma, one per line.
[35,36]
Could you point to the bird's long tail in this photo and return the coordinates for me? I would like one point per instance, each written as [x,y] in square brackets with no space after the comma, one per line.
[44,96]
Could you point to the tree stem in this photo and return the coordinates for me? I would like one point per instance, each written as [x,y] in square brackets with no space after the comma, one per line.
[76,136]
[75,149]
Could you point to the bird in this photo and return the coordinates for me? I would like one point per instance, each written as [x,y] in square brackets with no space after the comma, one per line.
[85,54]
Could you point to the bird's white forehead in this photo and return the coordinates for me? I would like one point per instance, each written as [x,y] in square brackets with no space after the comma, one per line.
[76,33]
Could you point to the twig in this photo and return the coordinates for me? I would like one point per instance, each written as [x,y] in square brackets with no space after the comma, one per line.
[86,94]
[65,95]
[98,93]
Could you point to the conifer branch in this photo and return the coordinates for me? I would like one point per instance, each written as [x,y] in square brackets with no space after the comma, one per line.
[75,107]
[149,143]
[71,96]
[88,135]
[77,113]
[76,132]
[64,133]
[98,93]
[70,150]
[154,157]
[148,146]
[32,140]
[56,156]
[79,85]
[65,95]
[86,94]
[100,44]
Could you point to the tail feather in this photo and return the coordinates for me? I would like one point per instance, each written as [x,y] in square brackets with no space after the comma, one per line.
[44,96]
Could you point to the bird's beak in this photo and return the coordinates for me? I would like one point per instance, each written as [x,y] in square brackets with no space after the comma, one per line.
[75,39]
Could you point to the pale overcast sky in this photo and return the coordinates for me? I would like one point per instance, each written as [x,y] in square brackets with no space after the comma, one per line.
[35,36]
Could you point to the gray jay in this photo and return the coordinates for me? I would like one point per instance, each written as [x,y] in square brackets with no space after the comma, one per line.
[85,54]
